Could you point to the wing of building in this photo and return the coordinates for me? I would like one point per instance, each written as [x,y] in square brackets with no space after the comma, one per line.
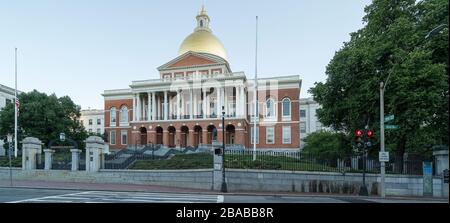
[184,106]
[6,95]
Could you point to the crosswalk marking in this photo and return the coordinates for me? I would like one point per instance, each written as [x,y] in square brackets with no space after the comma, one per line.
[116,197]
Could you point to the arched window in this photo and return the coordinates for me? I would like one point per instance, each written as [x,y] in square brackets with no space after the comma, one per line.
[201,23]
[270,108]
[113,115]
[124,114]
[286,107]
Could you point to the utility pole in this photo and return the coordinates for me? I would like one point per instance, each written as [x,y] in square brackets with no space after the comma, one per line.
[383,164]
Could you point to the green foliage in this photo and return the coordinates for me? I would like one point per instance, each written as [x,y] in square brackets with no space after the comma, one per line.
[327,145]
[392,42]
[45,117]
[179,161]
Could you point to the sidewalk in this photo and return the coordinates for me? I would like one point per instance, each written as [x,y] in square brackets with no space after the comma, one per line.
[32,184]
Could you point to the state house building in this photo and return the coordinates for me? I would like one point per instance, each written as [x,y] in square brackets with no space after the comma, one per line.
[184,106]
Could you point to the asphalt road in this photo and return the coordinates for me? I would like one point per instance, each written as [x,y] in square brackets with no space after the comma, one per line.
[29,195]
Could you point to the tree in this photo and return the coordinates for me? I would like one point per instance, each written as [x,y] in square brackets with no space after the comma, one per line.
[45,117]
[327,145]
[392,42]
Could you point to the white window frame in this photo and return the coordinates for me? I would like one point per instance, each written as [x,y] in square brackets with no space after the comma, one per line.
[267,135]
[112,140]
[285,134]
[274,104]
[286,117]
[257,135]
[121,113]
[122,133]
[99,131]
[113,113]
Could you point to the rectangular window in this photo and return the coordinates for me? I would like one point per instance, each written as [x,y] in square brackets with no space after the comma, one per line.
[112,138]
[90,130]
[90,121]
[270,135]
[124,136]
[7,101]
[302,113]
[303,127]
[98,131]
[257,135]
[318,126]
[179,76]
[286,134]
[99,121]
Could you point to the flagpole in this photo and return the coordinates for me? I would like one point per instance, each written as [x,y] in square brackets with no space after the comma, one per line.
[15,107]
[255,97]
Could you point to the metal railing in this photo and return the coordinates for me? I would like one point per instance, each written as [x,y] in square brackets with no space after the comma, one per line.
[301,161]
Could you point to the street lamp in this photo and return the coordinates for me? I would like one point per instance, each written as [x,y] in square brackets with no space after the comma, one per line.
[224,184]
[9,139]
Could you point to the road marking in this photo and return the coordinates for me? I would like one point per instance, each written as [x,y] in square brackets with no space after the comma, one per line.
[105,196]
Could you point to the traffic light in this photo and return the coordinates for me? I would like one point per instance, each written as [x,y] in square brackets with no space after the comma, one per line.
[369,133]
[359,133]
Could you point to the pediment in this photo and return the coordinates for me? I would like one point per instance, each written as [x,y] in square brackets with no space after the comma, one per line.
[190,59]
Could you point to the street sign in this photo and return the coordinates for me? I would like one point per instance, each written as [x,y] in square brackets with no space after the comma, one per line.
[388,118]
[383,156]
[392,126]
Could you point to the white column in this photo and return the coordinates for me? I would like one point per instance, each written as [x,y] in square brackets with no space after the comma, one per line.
[219,106]
[237,101]
[178,104]
[191,103]
[204,103]
[138,110]
[134,107]
[194,104]
[245,102]
[241,101]
[166,107]
[226,101]
[153,106]
[148,105]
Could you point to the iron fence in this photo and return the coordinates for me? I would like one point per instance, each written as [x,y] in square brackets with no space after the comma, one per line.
[410,164]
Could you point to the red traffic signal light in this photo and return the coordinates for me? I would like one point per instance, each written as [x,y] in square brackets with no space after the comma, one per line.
[369,133]
[358,133]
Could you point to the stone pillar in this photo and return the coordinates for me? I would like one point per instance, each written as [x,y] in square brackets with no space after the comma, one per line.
[94,153]
[217,173]
[2,150]
[166,107]
[30,147]
[205,135]
[48,158]
[153,106]
[191,138]
[75,159]
[165,138]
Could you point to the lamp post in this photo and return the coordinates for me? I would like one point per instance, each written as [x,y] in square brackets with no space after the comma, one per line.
[9,139]
[224,184]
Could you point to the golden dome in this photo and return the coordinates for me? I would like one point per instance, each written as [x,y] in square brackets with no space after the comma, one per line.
[202,40]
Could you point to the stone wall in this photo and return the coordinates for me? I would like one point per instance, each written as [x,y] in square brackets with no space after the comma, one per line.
[242,180]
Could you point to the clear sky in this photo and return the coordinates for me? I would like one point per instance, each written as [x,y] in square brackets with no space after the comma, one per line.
[80,48]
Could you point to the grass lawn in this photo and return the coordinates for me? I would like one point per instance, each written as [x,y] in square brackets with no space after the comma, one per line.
[179,161]
[203,160]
